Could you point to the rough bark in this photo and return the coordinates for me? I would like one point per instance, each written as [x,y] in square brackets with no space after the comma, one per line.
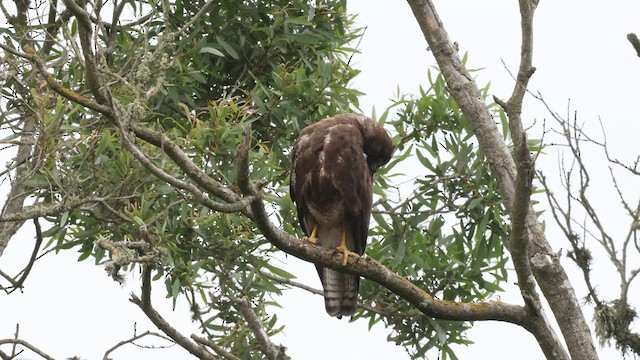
[545,264]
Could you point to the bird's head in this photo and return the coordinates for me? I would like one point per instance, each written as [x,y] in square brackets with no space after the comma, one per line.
[377,145]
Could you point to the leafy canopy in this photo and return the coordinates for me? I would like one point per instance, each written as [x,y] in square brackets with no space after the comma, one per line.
[200,79]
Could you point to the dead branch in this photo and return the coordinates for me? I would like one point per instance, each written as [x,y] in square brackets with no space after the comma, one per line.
[131,341]
[28,346]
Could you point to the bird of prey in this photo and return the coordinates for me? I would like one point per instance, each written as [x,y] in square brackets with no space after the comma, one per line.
[333,162]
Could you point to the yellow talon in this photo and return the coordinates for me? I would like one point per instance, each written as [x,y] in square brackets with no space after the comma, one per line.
[344,249]
[312,238]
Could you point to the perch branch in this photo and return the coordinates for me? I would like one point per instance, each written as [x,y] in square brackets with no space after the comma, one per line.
[369,268]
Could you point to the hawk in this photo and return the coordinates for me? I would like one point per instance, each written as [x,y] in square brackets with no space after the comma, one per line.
[333,162]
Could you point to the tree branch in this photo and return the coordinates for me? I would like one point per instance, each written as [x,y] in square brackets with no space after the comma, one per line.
[633,39]
[42,210]
[546,266]
[182,160]
[92,76]
[28,346]
[266,346]
[518,240]
[145,305]
[18,193]
[217,348]
[367,267]
[131,340]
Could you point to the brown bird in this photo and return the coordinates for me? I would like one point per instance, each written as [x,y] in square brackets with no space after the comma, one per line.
[333,162]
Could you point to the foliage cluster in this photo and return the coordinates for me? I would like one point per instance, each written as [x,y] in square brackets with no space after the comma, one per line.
[200,73]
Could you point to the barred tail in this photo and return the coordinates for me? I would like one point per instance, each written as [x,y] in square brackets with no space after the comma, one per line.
[340,292]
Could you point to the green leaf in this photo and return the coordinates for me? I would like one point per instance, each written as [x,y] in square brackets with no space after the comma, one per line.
[228,48]
[212,51]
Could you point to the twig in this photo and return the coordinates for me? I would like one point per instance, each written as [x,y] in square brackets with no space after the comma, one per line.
[581,260]
[34,254]
[132,339]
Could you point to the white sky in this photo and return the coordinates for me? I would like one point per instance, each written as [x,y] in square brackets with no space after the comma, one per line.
[581,53]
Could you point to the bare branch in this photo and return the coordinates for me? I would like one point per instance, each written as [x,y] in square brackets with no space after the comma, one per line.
[28,346]
[582,256]
[17,284]
[131,340]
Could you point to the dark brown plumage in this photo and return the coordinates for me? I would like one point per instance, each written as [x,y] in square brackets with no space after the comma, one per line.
[333,162]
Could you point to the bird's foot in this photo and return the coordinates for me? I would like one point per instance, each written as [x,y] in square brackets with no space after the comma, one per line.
[311,240]
[346,253]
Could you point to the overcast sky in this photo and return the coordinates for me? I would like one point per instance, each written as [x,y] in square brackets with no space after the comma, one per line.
[581,53]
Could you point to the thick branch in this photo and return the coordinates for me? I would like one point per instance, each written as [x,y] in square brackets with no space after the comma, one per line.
[518,240]
[17,194]
[546,267]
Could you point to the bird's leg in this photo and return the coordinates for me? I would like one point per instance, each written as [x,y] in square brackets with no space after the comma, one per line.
[312,238]
[344,249]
